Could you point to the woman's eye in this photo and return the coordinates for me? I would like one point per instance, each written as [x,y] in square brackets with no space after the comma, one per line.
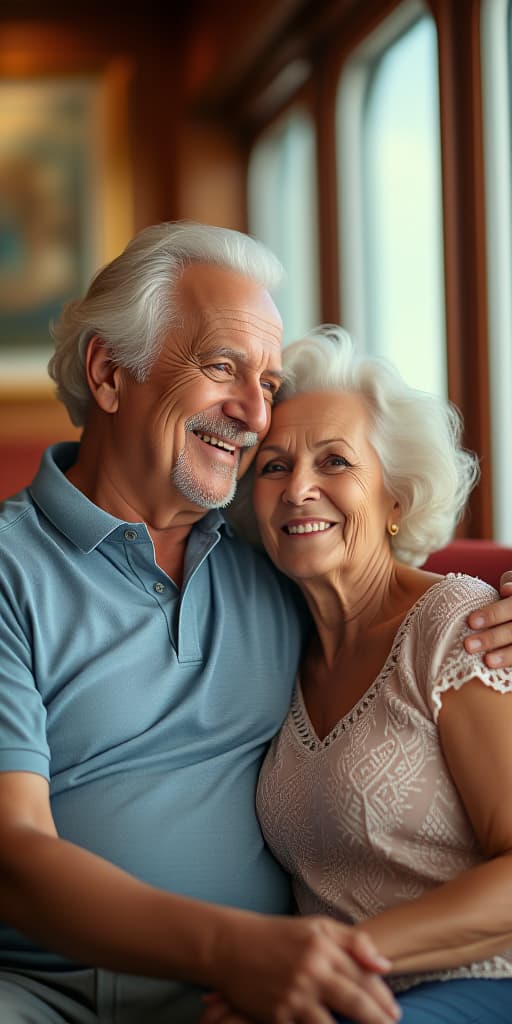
[272,468]
[336,462]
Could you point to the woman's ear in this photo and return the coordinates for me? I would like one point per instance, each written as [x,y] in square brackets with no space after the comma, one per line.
[393,524]
[102,375]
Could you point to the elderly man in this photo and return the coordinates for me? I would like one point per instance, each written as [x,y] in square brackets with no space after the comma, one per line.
[147,657]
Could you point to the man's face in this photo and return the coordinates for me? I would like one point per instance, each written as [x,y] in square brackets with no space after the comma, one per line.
[207,402]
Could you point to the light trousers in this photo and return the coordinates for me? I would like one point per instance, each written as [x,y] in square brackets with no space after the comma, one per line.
[94,997]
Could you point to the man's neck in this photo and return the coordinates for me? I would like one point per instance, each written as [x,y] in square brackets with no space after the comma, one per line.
[170,546]
[168,522]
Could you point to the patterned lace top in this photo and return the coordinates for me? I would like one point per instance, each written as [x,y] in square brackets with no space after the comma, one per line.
[369,816]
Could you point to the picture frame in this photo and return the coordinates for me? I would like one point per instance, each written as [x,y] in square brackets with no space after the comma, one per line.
[66,203]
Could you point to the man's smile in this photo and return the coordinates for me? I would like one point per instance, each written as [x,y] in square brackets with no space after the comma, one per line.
[217,442]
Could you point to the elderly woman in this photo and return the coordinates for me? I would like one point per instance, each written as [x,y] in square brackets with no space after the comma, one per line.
[386,795]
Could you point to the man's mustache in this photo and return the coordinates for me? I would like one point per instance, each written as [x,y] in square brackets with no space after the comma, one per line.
[225,429]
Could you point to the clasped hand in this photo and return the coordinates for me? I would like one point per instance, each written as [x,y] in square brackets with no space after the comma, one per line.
[297,970]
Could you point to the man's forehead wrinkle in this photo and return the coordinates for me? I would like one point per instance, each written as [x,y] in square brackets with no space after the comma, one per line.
[240,317]
[212,335]
[215,329]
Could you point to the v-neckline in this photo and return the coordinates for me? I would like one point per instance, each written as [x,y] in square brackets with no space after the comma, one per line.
[299,712]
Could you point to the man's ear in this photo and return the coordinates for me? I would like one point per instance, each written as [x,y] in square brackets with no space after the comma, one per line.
[102,375]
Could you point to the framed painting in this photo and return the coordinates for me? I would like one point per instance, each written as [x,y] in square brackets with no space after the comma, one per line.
[65,204]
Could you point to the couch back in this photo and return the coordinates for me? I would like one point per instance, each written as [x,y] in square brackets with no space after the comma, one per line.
[19,460]
[483,558]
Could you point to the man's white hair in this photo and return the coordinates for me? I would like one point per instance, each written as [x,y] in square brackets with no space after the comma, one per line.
[132,302]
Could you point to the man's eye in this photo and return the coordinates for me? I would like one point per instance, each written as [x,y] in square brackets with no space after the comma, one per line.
[269,389]
[219,370]
[222,367]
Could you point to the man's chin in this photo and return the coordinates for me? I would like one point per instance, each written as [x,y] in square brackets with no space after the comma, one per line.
[204,498]
[223,500]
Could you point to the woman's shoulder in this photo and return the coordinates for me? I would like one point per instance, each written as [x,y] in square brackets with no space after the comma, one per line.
[438,618]
[430,646]
[440,659]
[455,592]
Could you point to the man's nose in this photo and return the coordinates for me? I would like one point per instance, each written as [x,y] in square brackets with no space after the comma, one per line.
[249,407]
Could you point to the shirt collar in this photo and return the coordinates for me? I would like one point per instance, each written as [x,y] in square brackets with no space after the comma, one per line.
[85,524]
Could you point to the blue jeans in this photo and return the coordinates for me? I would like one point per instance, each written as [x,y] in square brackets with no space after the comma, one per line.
[461,1001]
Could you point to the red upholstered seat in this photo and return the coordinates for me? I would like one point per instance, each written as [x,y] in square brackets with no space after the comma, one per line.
[19,461]
[482,558]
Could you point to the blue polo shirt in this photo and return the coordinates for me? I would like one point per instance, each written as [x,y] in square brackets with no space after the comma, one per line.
[149,708]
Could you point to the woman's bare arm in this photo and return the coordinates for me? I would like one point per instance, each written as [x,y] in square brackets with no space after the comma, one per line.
[470,917]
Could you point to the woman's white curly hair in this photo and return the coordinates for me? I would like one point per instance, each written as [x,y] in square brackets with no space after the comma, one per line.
[417,437]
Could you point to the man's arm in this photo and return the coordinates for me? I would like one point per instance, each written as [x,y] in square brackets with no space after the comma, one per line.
[494,625]
[86,908]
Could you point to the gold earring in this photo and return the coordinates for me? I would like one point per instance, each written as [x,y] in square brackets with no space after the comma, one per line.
[393,529]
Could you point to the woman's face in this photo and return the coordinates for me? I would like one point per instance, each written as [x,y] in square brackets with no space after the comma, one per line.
[319,494]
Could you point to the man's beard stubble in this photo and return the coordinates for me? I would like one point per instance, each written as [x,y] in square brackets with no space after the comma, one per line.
[188,482]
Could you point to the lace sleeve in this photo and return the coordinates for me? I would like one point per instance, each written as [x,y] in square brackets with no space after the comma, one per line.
[443,625]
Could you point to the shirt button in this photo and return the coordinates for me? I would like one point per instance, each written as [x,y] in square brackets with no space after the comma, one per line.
[130,534]
[159,587]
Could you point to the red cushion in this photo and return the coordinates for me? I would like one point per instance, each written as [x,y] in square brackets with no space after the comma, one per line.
[19,461]
[482,558]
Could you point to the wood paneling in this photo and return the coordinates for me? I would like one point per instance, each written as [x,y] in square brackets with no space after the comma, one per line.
[177,164]
[207,75]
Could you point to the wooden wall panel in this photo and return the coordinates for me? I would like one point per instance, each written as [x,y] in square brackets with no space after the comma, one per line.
[176,164]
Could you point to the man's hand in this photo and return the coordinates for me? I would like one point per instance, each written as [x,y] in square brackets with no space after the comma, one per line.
[283,970]
[494,625]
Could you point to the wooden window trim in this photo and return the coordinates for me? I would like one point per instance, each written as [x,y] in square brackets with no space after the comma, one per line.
[325,33]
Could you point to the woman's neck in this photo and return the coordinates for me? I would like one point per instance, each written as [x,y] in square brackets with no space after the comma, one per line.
[349,606]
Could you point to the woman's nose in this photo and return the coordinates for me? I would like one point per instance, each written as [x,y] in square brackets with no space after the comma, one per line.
[299,488]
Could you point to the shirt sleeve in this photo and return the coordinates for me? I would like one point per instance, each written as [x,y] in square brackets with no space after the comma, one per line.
[23,742]
[444,663]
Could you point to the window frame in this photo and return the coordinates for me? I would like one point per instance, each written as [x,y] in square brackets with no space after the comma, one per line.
[323,33]
[356,80]
[300,100]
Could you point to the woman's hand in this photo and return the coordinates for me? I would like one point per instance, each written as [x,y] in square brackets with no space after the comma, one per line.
[494,625]
[283,970]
